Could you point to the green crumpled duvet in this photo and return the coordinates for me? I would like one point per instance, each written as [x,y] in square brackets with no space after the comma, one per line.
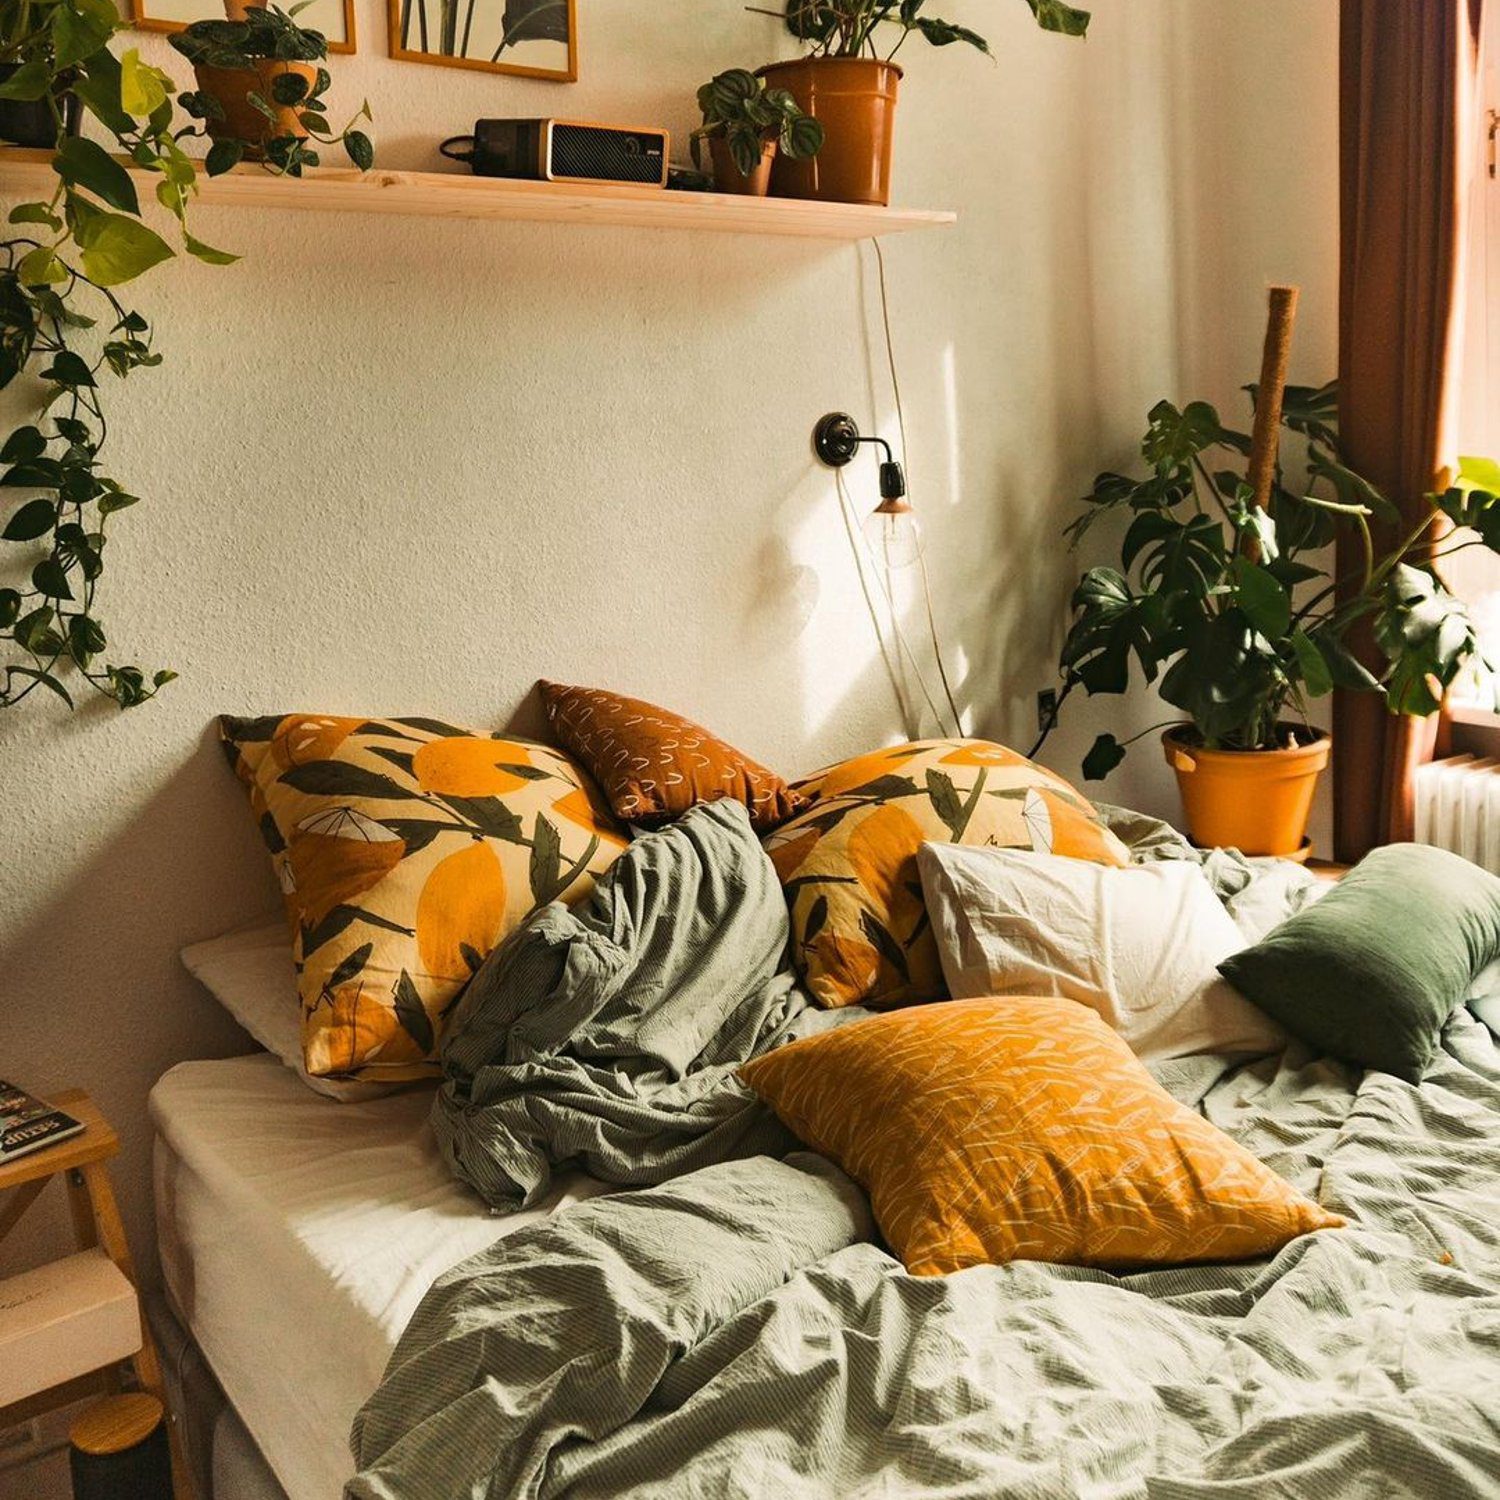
[739,1330]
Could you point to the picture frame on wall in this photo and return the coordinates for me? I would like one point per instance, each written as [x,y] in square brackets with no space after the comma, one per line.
[334,18]
[525,38]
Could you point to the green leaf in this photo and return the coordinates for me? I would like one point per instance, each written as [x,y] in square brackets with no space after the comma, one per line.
[34,213]
[34,519]
[24,444]
[1315,671]
[1479,474]
[116,500]
[40,267]
[46,679]
[945,33]
[28,83]
[81,28]
[117,248]
[1053,15]
[224,156]
[49,578]
[802,138]
[32,630]
[1104,755]
[10,608]
[289,88]
[360,150]
[142,89]
[1265,602]
[85,164]
[207,253]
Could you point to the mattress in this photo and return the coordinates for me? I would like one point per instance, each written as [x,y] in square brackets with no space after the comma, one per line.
[297,1235]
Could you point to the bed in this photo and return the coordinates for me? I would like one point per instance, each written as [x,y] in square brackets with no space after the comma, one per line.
[736,1326]
[297,1236]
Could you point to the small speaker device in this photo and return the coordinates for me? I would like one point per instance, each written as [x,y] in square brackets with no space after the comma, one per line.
[564,151]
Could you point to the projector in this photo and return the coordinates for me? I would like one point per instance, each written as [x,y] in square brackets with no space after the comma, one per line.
[564,151]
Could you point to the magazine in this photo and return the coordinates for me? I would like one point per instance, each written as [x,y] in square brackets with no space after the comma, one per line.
[28,1123]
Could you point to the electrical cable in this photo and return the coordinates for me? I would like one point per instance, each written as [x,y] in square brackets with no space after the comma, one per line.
[890,354]
[891,667]
[851,525]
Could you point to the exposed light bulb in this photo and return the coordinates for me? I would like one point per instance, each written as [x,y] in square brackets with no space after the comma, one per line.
[894,537]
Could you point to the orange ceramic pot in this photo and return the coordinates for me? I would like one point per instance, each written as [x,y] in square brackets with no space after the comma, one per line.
[854,99]
[1256,801]
[729,179]
[242,121]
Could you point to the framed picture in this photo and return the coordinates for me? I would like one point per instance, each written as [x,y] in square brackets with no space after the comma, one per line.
[528,38]
[334,18]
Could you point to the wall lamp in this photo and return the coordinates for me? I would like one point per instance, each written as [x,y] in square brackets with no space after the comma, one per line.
[891,528]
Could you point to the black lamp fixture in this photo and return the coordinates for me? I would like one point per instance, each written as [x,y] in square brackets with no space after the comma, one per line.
[891,528]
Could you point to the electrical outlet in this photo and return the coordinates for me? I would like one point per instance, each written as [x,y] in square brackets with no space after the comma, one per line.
[1046,709]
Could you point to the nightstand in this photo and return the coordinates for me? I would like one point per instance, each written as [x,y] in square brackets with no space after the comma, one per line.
[74,1322]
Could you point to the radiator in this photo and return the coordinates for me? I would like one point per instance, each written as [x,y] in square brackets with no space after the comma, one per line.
[1458,808]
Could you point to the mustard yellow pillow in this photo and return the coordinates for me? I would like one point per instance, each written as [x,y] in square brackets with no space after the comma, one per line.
[1007,1129]
[406,850]
[849,862]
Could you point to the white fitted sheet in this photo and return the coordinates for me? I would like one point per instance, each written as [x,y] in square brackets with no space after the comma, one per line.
[297,1236]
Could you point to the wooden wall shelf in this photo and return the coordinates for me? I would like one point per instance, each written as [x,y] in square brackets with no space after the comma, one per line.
[450,195]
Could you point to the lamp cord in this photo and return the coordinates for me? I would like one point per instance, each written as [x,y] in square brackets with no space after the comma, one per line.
[890,355]
[860,543]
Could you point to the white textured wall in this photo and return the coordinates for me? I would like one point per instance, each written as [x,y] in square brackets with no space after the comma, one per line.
[399,466]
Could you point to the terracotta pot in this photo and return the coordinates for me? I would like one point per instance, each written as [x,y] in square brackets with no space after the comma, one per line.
[242,120]
[854,98]
[1256,801]
[729,179]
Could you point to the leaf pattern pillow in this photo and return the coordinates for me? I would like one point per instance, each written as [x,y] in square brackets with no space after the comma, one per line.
[849,862]
[406,850]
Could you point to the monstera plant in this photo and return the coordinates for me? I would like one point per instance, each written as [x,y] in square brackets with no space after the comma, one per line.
[1232,612]
[63,326]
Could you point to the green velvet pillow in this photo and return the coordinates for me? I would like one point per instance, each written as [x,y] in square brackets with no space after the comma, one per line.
[1372,971]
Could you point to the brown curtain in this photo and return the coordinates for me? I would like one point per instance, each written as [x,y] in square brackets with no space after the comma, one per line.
[1409,90]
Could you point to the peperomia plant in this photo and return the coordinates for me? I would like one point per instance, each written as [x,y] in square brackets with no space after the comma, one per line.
[861,28]
[739,108]
[1219,599]
[83,240]
[270,35]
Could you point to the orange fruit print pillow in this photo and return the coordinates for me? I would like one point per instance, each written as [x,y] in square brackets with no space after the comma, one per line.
[849,862]
[406,850]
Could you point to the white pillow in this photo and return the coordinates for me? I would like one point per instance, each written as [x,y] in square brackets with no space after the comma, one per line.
[1140,945]
[251,974]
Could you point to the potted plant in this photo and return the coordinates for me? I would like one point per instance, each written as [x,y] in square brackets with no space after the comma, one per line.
[28,53]
[260,91]
[849,81]
[1221,603]
[64,327]
[744,123]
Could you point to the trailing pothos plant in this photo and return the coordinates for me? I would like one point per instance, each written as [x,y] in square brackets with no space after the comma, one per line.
[62,325]
[1224,604]
[880,28]
[739,109]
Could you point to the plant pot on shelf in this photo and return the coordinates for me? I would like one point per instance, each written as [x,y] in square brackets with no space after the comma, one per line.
[1256,801]
[854,99]
[242,121]
[729,179]
[30,122]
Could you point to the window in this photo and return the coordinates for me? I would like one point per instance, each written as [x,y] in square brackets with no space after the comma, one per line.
[1475,574]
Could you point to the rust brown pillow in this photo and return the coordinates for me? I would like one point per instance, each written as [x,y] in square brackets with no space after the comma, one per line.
[654,765]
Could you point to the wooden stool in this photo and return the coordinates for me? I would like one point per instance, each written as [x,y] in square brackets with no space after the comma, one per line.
[119,1451]
[82,1165]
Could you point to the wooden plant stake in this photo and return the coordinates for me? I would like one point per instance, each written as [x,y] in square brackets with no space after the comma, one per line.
[1265,440]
